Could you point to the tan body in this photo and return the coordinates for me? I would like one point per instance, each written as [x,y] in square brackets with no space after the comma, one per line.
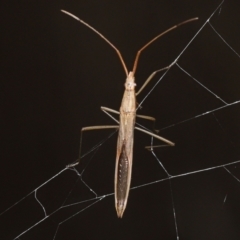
[124,158]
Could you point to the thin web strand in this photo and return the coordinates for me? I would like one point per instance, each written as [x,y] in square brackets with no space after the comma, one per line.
[223,39]
[50,179]
[214,94]
[200,115]
[132,188]
[140,186]
[43,208]
[231,174]
[176,59]
[186,174]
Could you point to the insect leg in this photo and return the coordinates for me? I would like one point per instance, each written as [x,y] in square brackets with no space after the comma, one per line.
[146,117]
[106,110]
[153,119]
[109,110]
[156,136]
[150,119]
[88,129]
[151,77]
[156,146]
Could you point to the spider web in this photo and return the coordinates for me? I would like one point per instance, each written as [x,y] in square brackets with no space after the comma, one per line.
[189,191]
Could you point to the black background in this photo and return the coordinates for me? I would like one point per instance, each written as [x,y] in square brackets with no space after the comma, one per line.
[55,75]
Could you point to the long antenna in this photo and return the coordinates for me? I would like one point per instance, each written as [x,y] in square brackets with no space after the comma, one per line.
[154,39]
[118,52]
[104,38]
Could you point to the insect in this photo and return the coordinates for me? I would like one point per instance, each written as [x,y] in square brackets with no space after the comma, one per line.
[126,124]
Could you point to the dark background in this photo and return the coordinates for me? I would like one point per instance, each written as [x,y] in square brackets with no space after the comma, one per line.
[55,75]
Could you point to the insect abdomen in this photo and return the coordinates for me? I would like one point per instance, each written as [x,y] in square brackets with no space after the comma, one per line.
[122,178]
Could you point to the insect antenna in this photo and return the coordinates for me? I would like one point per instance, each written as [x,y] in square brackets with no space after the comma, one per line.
[117,51]
[154,39]
[103,37]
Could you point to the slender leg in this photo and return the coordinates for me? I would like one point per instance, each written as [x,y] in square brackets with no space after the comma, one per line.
[106,110]
[89,129]
[150,119]
[146,117]
[157,146]
[109,110]
[151,77]
[156,136]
